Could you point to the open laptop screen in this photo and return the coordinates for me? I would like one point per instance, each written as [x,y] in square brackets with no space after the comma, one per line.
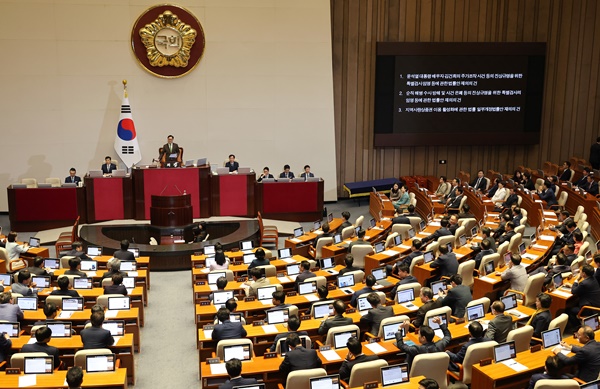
[475,312]
[522,248]
[435,326]
[379,247]
[379,273]
[6,279]
[99,363]
[41,281]
[395,374]
[411,233]
[592,321]
[10,328]
[128,265]
[284,253]
[89,265]
[293,269]
[241,352]
[266,292]
[422,225]
[340,339]
[94,251]
[326,382]
[307,287]
[276,316]
[246,245]
[405,295]
[27,303]
[437,286]
[489,267]
[253,386]
[428,256]
[389,331]
[322,310]
[397,240]
[551,338]
[337,238]
[221,297]
[214,276]
[474,231]
[129,282]
[462,240]
[34,242]
[118,303]
[327,263]
[248,258]
[330,217]
[557,280]
[82,283]
[316,225]
[52,263]
[60,329]
[298,232]
[505,351]
[345,281]
[509,301]
[363,304]
[135,251]
[209,250]
[38,365]
[72,304]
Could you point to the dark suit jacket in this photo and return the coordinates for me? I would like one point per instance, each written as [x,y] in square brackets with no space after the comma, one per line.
[447,264]
[257,262]
[168,152]
[436,235]
[581,182]
[587,358]
[306,274]
[456,202]
[457,299]
[593,188]
[228,330]
[492,191]
[38,347]
[268,176]
[556,269]
[413,351]
[588,292]
[482,183]
[347,365]
[540,323]
[110,273]
[336,321]
[5,345]
[480,256]
[459,357]
[429,305]
[401,220]
[74,180]
[96,338]
[408,259]
[354,299]
[542,376]
[229,384]
[38,271]
[549,197]
[68,292]
[232,166]
[108,169]
[345,224]
[506,237]
[348,269]
[124,255]
[285,335]
[375,316]
[115,289]
[299,359]
[499,327]
[303,175]
[511,200]
[290,175]
[566,175]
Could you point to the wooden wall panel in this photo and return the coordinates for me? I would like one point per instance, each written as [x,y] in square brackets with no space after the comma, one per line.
[571,113]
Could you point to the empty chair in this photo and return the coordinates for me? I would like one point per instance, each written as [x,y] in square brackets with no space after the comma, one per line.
[320,244]
[556,384]
[30,182]
[54,181]
[270,271]
[366,372]
[457,234]
[347,232]
[229,273]
[301,378]
[468,223]
[359,221]
[465,269]
[513,245]
[432,365]
[233,342]
[520,229]
[414,222]
[415,262]
[269,235]
[401,229]
[444,240]
[559,322]
[474,354]
[359,252]
[522,337]
[337,330]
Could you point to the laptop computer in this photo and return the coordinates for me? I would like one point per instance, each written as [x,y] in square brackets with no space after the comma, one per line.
[38,365]
[422,225]
[390,330]
[201,161]
[322,310]
[51,263]
[293,269]
[246,245]
[380,275]
[128,265]
[27,303]
[222,171]
[276,316]
[12,329]
[209,250]
[462,240]
[72,304]
[60,329]
[100,363]
[337,239]
[436,327]
[94,251]
[325,382]
[34,242]
[284,253]
[437,286]
[220,297]
[214,276]
[507,258]
[551,338]
[327,263]
[129,283]
[135,251]
[474,231]
[372,222]
[6,279]
[68,185]
[189,163]
[505,351]
[475,312]
[341,338]
[82,283]
[89,265]
[239,351]
[41,281]
[248,258]
[411,233]
[346,281]
[119,173]
[509,301]
[428,256]
[119,303]
[298,232]
[379,247]
[394,375]
[316,225]
[488,267]
[307,287]
[591,321]
[522,248]
[363,305]
[330,217]
[266,292]
[405,296]
[397,240]
[95,173]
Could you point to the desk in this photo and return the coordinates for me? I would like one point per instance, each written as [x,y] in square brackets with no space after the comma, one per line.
[233,195]
[116,379]
[294,201]
[380,206]
[109,198]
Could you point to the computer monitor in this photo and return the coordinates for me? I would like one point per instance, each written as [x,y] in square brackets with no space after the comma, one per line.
[394,375]
[82,283]
[522,248]
[327,263]
[505,351]
[135,251]
[246,245]
[94,251]
[38,365]
[129,282]
[298,232]
[405,295]
[379,273]
[428,256]
[532,238]
[397,240]
[214,276]
[248,258]
[51,263]
[507,257]
[322,310]
[330,217]
[356,230]
[437,286]
[119,303]
[284,253]
[509,301]
[326,382]
[551,338]
[220,297]
[27,303]
[293,269]
[128,266]
[372,222]
[475,312]
[363,304]
[34,242]
[276,316]
[345,280]
[60,329]
[389,331]
[6,279]
[488,267]
[557,280]
[239,351]
[592,321]
[462,240]
[41,281]
[266,292]
[307,287]
[201,161]
[12,329]
[87,265]
[72,304]
[316,225]
[411,233]
[337,238]
[209,250]
[341,338]
[422,225]
[474,231]
[449,247]
[379,247]
[434,325]
[99,363]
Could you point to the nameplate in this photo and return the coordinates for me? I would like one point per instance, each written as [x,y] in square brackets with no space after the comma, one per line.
[204,303]
[305,317]
[241,279]
[374,340]
[331,287]
[280,274]
[210,361]
[208,327]
[370,385]
[485,362]
[201,283]
[258,323]
[324,348]
[197,253]
[237,263]
[270,355]
[290,294]
[536,348]
[249,299]
[235,250]
[13,370]
[460,321]
[389,302]
[350,310]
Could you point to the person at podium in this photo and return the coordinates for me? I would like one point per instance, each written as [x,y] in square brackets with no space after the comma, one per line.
[232,164]
[307,172]
[286,173]
[108,166]
[265,174]
[170,151]
[73,178]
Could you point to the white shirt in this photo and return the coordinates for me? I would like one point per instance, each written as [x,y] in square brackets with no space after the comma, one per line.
[13,249]
[499,197]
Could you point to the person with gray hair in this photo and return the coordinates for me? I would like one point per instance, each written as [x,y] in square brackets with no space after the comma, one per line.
[114,267]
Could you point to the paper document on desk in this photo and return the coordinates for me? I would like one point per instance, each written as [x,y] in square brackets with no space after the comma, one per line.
[494,214]
[487,201]
[266,302]
[385,218]
[27,380]
[530,256]
[32,340]
[404,247]
[289,260]
[311,297]
[439,333]
[318,232]
[435,224]
[376,348]
[514,312]
[538,201]
[377,286]
[117,338]
[295,240]
[91,273]
[283,279]
[561,293]
[516,366]
[217,368]
[491,223]
[205,270]
[488,279]
[458,256]
[208,334]
[270,329]
[540,247]
[331,355]
[111,314]
[133,273]
[390,253]
[65,314]
[548,238]
[549,213]
[424,233]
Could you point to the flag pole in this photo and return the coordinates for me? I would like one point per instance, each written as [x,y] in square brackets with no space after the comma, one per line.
[129,169]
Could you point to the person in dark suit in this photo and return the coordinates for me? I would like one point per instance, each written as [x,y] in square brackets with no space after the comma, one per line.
[476,332]
[72,178]
[405,278]
[547,195]
[597,263]
[442,231]
[338,320]
[123,254]
[563,217]
[298,358]
[480,182]
[564,239]
[376,314]
[234,370]
[74,377]
[486,234]
[508,234]
[325,234]
[5,345]
[529,184]
[293,325]
[454,205]
[63,288]
[96,336]
[426,335]
[587,289]
[552,371]
[452,194]
[259,259]
[360,241]
[232,164]
[591,186]
[227,329]
[566,173]
[500,325]
[169,149]
[466,213]
[512,199]
[77,251]
[369,283]
[265,174]
[457,297]
[400,219]
[583,180]
[587,356]
[286,173]
[485,250]
[349,261]
[559,267]
[346,222]
[415,251]
[108,166]
[541,318]
[307,172]
[305,274]
[517,216]
[42,337]
[426,296]
[37,269]
[355,355]
[446,262]
[117,286]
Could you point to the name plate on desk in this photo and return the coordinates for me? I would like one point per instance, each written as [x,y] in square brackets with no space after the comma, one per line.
[249,299]
[290,294]
[241,279]
[305,317]
[201,283]
[13,370]
[280,274]
[485,362]
[536,348]
[204,303]
[208,327]
[210,361]
[389,302]
[350,310]
[198,253]
[374,340]
[258,323]
[238,263]
[331,287]
[270,355]
[371,385]
[324,348]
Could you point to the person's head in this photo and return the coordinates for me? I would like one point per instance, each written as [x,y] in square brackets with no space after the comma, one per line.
[402,189]
[566,165]
[585,334]
[349,260]
[444,223]
[516,211]
[107,159]
[597,259]
[43,334]
[416,245]
[515,259]
[220,258]
[24,277]
[486,232]
[97,319]
[5,297]
[543,300]
[170,139]
[569,249]
[426,294]
[255,273]
[370,280]
[74,377]
[563,215]
[403,270]
[233,367]
[38,262]
[223,314]
[475,329]
[426,334]
[97,308]
[411,208]
[354,346]
[12,236]
[455,181]
[286,168]
[231,158]
[325,227]
[590,178]
[553,366]
[547,184]
[497,307]
[517,174]
[114,264]
[466,208]
[77,246]
[459,190]
[587,171]
[231,304]
[305,265]
[124,244]
[259,254]
[306,169]
[221,283]
[50,309]
[456,279]
[339,307]
[428,383]
[63,282]
[266,171]
[346,215]
[510,226]
[323,292]
[506,217]
[373,299]
[72,172]
[453,219]
[527,175]
[117,279]
[578,236]
[587,271]
[293,340]
[485,244]
[361,233]
[443,249]
[570,224]
[395,187]
[278,297]
[293,323]
[561,259]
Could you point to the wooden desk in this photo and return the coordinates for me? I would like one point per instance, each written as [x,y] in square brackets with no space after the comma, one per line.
[380,206]
[233,194]
[109,198]
[294,201]
[116,379]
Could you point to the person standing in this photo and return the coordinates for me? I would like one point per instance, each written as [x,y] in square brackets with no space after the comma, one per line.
[595,154]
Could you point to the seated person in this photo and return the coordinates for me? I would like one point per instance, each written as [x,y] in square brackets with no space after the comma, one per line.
[405,278]
[443,188]
[500,325]
[442,231]
[13,248]
[547,194]
[293,324]
[430,383]
[457,297]
[63,288]
[325,234]
[227,329]
[542,317]
[298,358]
[42,337]
[485,250]
[480,182]
[258,280]
[260,260]
[278,301]
[114,267]
[75,268]
[8,310]
[5,345]
[426,335]
[426,296]
[446,262]
[486,234]
[221,262]
[476,331]
[200,233]
[566,174]
[376,314]
[108,166]
[500,195]
[404,200]
[516,216]
[492,191]
[588,292]
[305,274]
[591,186]
[553,368]
[123,254]
[73,178]
[349,261]
[74,377]
[77,251]
[355,355]
[559,267]
[369,283]
[96,336]
[454,205]
[265,174]
[307,172]
[453,223]
[346,222]
[587,356]
[170,151]
[38,267]
[322,292]
[466,212]
[587,171]
[516,274]
[117,286]
[395,192]
[234,370]
[286,172]
[50,311]
[339,307]
[415,251]
[360,241]
[24,285]
[221,285]
[508,234]
[232,164]
[528,184]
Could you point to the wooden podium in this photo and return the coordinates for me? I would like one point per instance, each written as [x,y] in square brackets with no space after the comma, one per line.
[171,211]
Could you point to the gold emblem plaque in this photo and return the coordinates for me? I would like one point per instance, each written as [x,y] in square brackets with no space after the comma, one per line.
[168,41]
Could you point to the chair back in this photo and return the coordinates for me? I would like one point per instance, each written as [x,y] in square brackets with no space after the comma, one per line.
[54,181]
[301,378]
[382,297]
[390,320]
[389,241]
[359,252]
[347,232]
[583,250]
[322,242]
[468,223]
[562,200]
[320,280]
[304,338]
[578,213]
[366,372]
[533,288]
[231,342]
[465,269]
[433,247]
[483,300]
[495,257]
[559,322]
[270,271]
[312,307]
[414,222]
[487,183]
[583,226]
[64,261]
[459,231]
[515,241]
[18,359]
[16,265]
[57,300]
[106,282]
[402,230]
[81,355]
[432,365]
[229,273]
[438,311]
[522,337]
[519,200]
[444,240]
[549,383]
[359,275]
[538,183]
[474,354]
[503,249]
[359,221]
[415,261]
[103,299]
[4,254]
[412,285]
[336,330]
[30,182]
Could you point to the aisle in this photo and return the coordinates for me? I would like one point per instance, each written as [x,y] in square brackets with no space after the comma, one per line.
[168,357]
